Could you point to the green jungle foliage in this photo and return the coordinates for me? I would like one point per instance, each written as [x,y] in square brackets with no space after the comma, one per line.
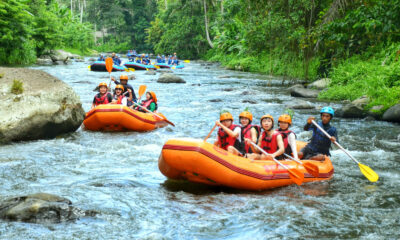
[30,28]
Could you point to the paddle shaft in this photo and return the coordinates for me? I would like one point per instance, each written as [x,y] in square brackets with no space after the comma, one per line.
[209,134]
[292,158]
[336,143]
[166,120]
[262,150]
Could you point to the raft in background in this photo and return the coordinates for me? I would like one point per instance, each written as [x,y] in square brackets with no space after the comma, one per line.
[139,66]
[115,117]
[100,66]
[202,162]
[164,65]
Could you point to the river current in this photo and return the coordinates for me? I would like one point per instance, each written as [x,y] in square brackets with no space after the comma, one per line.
[116,174]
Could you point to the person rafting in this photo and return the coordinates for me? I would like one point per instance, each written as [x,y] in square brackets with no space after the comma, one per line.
[163,59]
[175,61]
[123,80]
[116,59]
[119,95]
[146,60]
[288,136]
[150,103]
[103,97]
[158,59]
[229,134]
[320,144]
[248,131]
[101,58]
[170,60]
[270,141]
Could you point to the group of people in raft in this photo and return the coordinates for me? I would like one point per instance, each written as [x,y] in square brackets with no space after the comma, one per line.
[239,139]
[122,89]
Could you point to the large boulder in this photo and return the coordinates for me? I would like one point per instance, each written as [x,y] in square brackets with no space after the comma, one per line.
[304,92]
[300,104]
[46,108]
[164,70]
[150,72]
[351,111]
[60,56]
[392,114]
[170,78]
[361,102]
[44,60]
[40,208]
[320,84]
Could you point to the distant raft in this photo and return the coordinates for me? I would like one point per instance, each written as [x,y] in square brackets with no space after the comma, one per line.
[100,66]
[202,162]
[164,65]
[115,117]
[139,66]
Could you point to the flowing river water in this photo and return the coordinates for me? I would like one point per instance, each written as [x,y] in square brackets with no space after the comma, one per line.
[116,174]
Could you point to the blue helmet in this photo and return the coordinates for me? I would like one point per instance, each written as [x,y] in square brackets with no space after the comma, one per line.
[328,110]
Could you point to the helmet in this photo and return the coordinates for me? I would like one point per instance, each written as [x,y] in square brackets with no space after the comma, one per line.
[147,55]
[328,110]
[120,87]
[103,84]
[285,118]
[246,114]
[123,77]
[225,116]
[153,96]
[267,116]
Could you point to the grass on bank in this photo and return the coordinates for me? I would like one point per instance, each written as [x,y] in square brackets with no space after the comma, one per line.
[17,87]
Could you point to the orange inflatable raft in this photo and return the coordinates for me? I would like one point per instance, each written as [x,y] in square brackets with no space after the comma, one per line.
[115,117]
[199,161]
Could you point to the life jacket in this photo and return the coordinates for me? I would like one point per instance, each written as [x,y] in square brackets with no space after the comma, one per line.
[246,133]
[285,135]
[225,140]
[147,103]
[101,100]
[119,99]
[269,144]
[319,142]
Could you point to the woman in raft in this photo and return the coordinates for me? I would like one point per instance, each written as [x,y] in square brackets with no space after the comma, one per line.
[150,103]
[103,97]
[228,137]
[119,96]
[288,136]
[270,141]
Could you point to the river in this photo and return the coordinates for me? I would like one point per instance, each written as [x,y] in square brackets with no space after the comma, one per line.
[117,174]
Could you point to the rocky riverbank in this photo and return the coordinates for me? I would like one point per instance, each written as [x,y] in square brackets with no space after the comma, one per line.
[36,105]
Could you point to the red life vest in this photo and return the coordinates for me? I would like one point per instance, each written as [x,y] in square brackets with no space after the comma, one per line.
[269,144]
[101,100]
[147,103]
[119,99]
[246,133]
[225,140]
[285,135]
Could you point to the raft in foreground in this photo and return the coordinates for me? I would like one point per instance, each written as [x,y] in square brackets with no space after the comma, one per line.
[114,117]
[202,162]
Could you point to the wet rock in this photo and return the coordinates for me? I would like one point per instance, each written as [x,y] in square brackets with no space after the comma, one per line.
[44,60]
[295,86]
[92,59]
[79,60]
[320,84]
[46,108]
[224,76]
[351,111]
[304,92]
[375,111]
[249,101]
[300,104]
[228,89]
[215,100]
[131,77]
[40,208]
[170,78]
[207,67]
[361,102]
[392,114]
[150,72]
[165,70]
[246,93]
[196,84]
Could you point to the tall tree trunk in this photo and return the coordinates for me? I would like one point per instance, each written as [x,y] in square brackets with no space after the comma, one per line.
[222,7]
[166,4]
[206,23]
[81,8]
[71,8]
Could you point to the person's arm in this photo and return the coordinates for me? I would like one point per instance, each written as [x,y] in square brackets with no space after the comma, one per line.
[130,94]
[281,147]
[227,130]
[110,98]
[309,125]
[293,145]
[124,101]
[152,107]
[253,134]
[237,131]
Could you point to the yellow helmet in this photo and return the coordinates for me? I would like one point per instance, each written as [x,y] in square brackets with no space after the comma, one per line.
[267,116]
[103,84]
[285,118]
[123,77]
[246,114]
[119,86]
[225,116]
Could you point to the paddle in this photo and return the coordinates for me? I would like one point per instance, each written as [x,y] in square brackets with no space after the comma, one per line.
[142,89]
[163,118]
[311,168]
[186,61]
[109,67]
[294,174]
[209,134]
[89,67]
[367,171]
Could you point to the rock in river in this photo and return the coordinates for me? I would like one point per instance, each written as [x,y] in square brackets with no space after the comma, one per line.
[304,92]
[392,114]
[46,107]
[170,78]
[40,208]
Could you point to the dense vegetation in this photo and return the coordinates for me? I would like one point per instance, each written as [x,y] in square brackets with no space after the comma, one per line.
[354,42]
[31,28]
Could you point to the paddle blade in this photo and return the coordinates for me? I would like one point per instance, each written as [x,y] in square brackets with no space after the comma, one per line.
[109,64]
[368,173]
[296,176]
[312,169]
[131,69]
[173,67]
[186,61]
[142,89]
[156,66]
[89,68]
